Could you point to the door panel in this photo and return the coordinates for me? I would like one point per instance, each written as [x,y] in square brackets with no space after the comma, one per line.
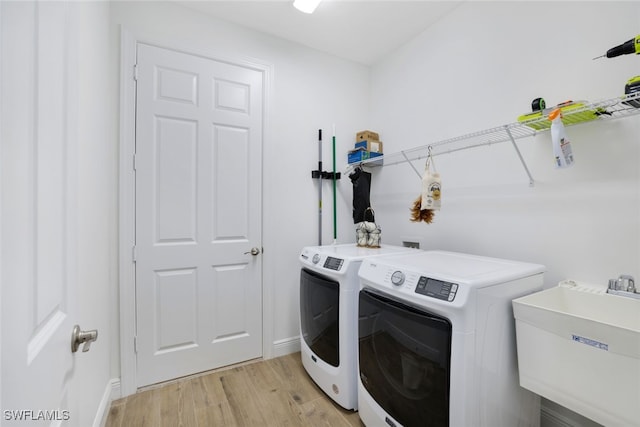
[175,189]
[198,214]
[38,217]
[231,303]
[176,309]
[231,185]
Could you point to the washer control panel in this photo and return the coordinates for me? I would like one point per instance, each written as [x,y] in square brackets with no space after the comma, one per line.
[332,263]
[413,283]
[436,288]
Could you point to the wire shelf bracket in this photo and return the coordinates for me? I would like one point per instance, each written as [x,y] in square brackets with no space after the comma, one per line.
[605,110]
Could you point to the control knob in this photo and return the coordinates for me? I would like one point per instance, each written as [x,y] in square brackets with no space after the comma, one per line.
[397,278]
[316,258]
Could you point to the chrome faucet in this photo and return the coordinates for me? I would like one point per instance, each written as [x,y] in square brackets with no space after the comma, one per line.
[631,284]
[624,285]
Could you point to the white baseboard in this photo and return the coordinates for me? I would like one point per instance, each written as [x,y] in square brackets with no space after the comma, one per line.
[111,393]
[286,346]
[116,392]
[554,415]
[551,418]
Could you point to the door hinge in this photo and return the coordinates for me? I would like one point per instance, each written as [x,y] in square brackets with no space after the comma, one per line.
[135,345]
[133,254]
[135,72]
[134,161]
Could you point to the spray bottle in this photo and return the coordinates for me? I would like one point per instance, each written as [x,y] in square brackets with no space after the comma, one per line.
[561,146]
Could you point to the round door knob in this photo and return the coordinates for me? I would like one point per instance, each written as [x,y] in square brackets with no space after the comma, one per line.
[253,251]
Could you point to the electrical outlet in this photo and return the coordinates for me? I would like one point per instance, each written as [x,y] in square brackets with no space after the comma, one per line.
[410,244]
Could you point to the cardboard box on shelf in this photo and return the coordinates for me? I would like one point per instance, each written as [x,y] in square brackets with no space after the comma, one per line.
[367,135]
[370,145]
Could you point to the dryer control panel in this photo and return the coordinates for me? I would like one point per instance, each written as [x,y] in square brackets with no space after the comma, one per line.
[436,288]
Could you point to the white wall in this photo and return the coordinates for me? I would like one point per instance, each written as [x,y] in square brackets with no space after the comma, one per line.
[480,67]
[97,209]
[309,90]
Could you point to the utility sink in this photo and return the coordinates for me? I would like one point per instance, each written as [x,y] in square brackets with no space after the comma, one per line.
[580,347]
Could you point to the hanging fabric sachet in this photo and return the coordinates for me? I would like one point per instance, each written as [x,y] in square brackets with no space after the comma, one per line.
[431,185]
[430,196]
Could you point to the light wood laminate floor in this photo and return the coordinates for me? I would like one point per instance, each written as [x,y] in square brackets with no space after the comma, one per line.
[275,392]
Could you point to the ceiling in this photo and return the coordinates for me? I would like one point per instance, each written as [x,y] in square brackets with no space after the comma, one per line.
[359,30]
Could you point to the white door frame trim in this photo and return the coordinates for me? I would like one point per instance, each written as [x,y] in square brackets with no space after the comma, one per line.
[2,124]
[128,43]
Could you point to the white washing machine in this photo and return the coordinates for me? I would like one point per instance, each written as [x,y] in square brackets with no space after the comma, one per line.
[437,341]
[329,288]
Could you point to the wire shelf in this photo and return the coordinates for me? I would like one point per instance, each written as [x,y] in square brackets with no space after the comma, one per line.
[608,109]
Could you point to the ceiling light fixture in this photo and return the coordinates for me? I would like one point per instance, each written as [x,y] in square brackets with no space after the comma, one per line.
[306,6]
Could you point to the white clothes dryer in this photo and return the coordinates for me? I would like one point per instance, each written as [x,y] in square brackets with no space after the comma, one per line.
[437,341]
[329,288]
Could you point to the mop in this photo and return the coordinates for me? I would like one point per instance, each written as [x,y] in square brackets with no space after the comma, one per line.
[319,174]
[320,187]
[335,215]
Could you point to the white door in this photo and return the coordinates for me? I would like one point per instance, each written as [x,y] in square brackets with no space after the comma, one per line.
[38,224]
[198,214]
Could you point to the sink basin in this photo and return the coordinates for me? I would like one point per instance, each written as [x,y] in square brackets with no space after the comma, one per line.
[580,347]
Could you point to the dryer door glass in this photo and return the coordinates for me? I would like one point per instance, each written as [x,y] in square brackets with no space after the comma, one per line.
[404,356]
[319,304]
